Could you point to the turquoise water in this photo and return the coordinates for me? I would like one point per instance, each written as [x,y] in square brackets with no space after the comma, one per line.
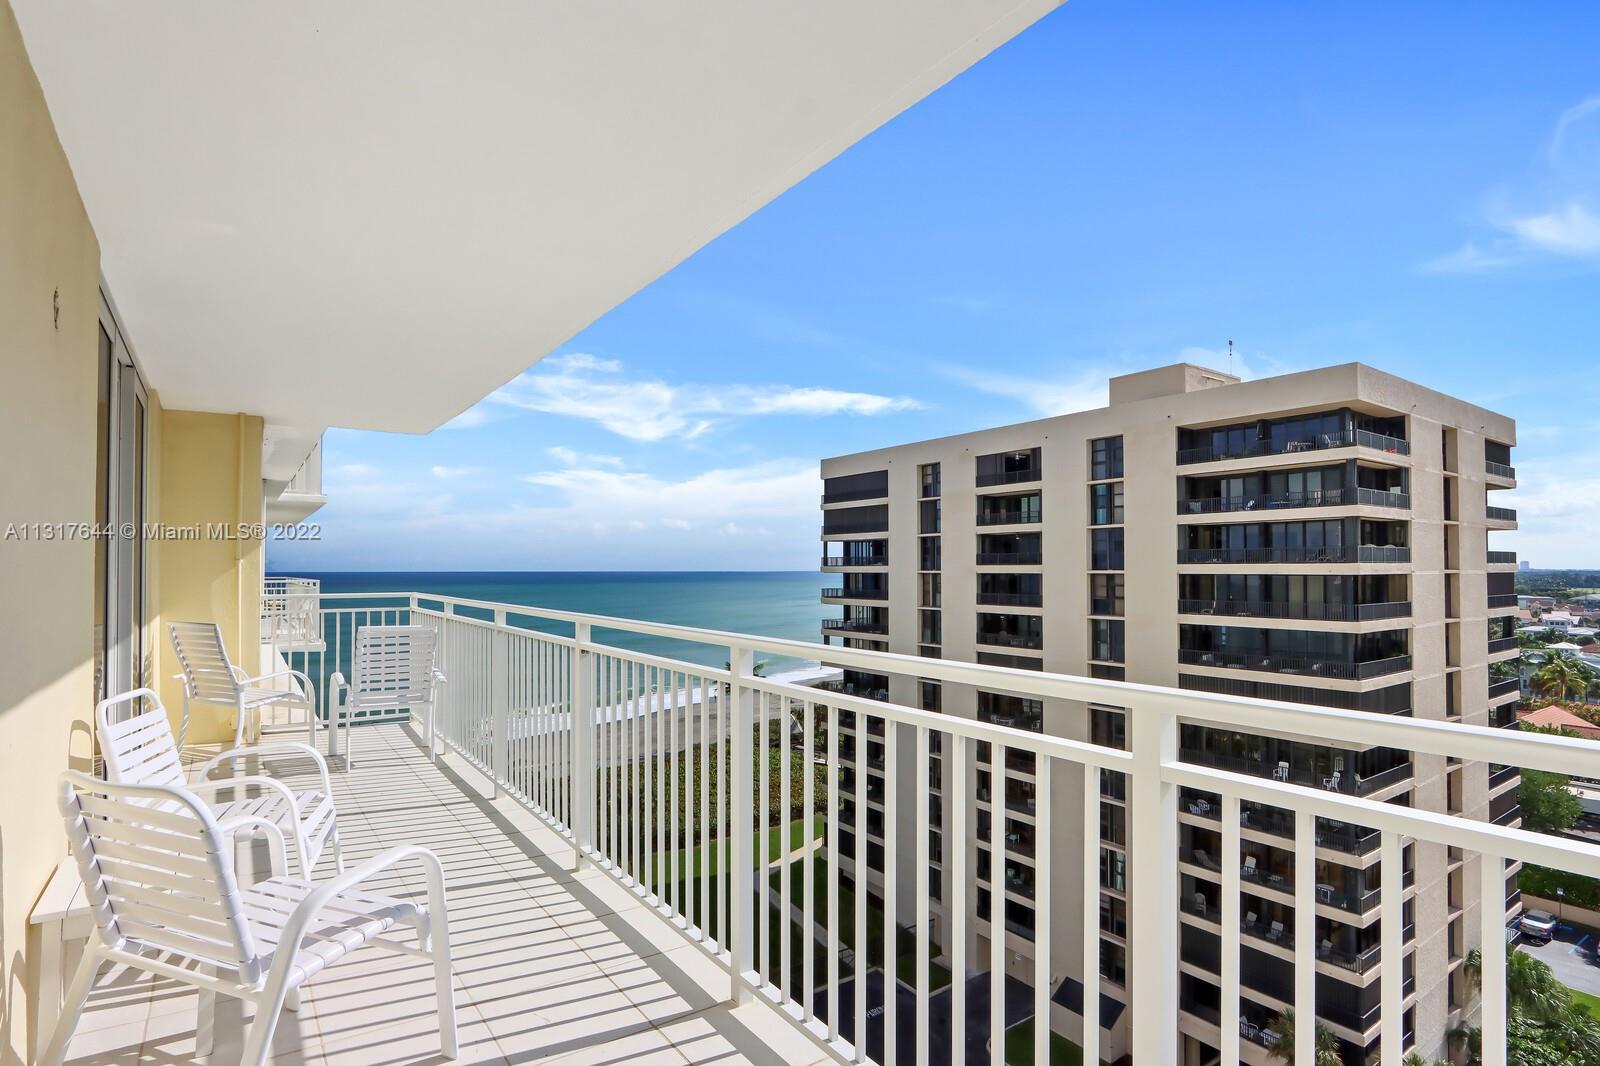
[763,603]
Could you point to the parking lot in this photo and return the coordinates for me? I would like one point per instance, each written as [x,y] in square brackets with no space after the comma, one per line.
[1570,956]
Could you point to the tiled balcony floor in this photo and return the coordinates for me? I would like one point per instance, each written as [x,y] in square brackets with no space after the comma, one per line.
[550,966]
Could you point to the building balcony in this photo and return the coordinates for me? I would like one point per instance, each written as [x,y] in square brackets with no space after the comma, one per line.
[1501,689]
[1316,612]
[1503,516]
[1503,471]
[1031,641]
[1009,518]
[1502,599]
[1011,599]
[855,625]
[854,495]
[1347,497]
[1296,664]
[1502,558]
[577,933]
[836,594]
[830,562]
[1010,558]
[1359,438]
[1006,477]
[1350,553]
[1500,644]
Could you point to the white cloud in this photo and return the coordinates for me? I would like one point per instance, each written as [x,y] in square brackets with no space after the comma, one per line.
[569,457]
[1553,216]
[581,386]
[471,418]
[774,492]
[1084,391]
[450,473]
[1570,230]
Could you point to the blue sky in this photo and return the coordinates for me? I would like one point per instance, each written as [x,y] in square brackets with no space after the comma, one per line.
[1124,185]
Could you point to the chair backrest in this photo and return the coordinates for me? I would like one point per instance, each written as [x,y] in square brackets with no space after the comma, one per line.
[207,674]
[394,668]
[158,872]
[138,749]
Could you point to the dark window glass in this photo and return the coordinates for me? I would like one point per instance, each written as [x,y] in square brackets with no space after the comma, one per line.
[1105,549]
[1105,458]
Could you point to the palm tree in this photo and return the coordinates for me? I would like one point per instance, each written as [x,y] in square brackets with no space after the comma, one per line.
[1531,986]
[1562,677]
[1327,1045]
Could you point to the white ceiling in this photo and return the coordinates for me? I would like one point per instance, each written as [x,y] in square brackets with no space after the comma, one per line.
[371,213]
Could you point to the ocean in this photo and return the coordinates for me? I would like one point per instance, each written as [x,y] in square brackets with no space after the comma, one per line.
[784,604]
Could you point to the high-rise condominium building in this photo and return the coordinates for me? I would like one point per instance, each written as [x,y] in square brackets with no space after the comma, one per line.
[1322,538]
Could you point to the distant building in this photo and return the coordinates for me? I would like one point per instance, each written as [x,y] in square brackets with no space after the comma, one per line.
[1561,718]
[1524,565]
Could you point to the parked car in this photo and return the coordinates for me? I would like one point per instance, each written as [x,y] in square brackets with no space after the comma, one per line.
[1538,926]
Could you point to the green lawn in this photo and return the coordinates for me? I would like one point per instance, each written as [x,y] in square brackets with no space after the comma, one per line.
[1019,1047]
[1586,1001]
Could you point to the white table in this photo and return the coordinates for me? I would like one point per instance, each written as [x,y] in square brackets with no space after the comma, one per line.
[65,921]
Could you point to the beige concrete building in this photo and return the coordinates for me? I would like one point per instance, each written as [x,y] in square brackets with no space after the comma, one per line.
[1320,537]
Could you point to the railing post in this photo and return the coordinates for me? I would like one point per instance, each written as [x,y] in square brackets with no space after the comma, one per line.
[499,701]
[1153,884]
[582,734]
[741,942]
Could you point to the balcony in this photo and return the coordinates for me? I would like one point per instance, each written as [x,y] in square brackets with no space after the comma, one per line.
[1316,612]
[1009,517]
[1347,497]
[1319,442]
[1508,687]
[1296,664]
[1500,514]
[855,625]
[1011,599]
[1032,641]
[1499,644]
[578,926]
[1502,599]
[880,559]
[1010,558]
[1502,558]
[1349,553]
[830,595]
[1500,470]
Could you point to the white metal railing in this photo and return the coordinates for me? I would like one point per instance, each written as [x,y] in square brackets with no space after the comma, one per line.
[680,778]
[290,616]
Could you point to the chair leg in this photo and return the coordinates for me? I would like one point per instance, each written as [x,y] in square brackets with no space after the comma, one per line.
[259,1037]
[72,1008]
[449,1041]
[205,1022]
[338,849]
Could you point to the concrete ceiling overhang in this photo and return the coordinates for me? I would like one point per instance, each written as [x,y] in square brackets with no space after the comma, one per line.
[372,213]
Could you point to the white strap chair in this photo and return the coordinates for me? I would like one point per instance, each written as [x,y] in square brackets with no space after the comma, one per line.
[157,868]
[209,676]
[395,672]
[139,749]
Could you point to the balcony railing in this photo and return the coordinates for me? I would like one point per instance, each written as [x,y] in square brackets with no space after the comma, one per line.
[1502,599]
[1321,442]
[1007,477]
[603,743]
[289,615]
[1296,664]
[1009,518]
[1010,640]
[1500,469]
[1011,599]
[1010,558]
[1502,558]
[1498,644]
[1345,497]
[854,495]
[1508,687]
[855,560]
[855,594]
[1316,612]
[850,529]
[855,625]
[1500,514]
[1349,553]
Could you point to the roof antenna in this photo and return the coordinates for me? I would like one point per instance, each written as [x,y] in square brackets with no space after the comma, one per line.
[1230,357]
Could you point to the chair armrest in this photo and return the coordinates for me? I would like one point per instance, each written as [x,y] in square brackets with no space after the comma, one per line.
[278,850]
[284,747]
[271,784]
[304,682]
[337,683]
[438,675]
[294,929]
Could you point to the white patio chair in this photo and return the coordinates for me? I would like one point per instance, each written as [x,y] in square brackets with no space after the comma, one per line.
[157,868]
[395,670]
[209,676]
[1249,867]
[139,749]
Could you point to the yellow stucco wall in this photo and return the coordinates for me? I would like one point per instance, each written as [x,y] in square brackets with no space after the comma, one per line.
[211,473]
[49,258]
